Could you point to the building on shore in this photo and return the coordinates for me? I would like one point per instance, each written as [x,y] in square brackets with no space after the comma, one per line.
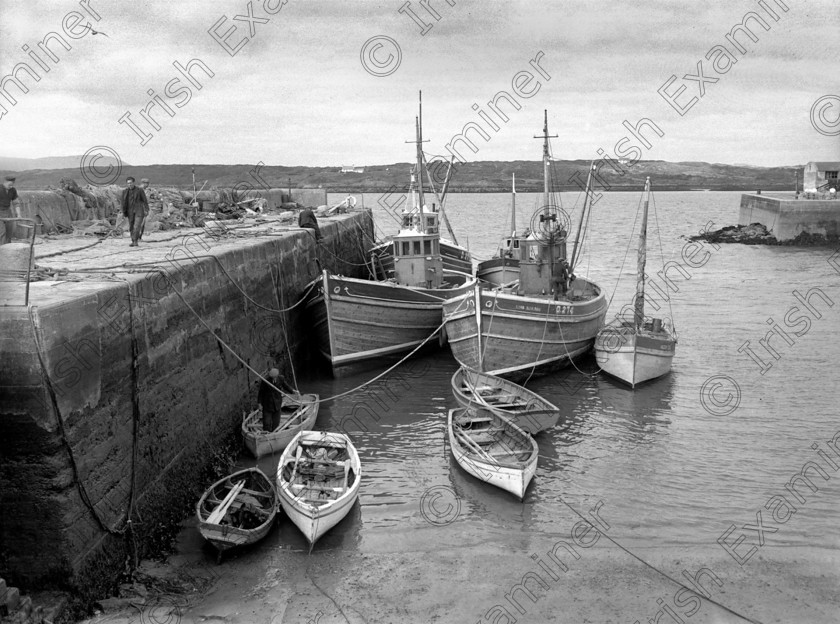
[352,169]
[820,177]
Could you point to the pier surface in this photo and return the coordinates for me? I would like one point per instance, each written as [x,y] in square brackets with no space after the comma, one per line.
[119,381]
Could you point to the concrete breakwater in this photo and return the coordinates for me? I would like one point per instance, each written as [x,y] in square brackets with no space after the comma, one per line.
[786,218]
[115,395]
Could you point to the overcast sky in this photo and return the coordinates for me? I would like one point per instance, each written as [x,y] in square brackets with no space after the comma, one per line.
[297,93]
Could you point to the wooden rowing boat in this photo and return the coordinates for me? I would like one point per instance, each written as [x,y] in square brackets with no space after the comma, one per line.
[527,409]
[298,414]
[491,448]
[318,480]
[237,510]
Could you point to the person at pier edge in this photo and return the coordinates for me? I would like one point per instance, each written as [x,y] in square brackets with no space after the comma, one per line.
[306,219]
[8,194]
[135,206]
[271,400]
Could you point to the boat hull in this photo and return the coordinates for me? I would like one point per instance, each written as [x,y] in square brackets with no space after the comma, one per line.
[527,410]
[634,358]
[501,333]
[260,444]
[508,475]
[224,536]
[498,271]
[314,518]
[357,321]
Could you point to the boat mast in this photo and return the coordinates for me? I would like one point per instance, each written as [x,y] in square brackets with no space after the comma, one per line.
[513,206]
[419,130]
[587,193]
[547,217]
[639,313]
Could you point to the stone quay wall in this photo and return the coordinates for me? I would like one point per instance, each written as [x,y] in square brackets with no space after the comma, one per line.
[787,218]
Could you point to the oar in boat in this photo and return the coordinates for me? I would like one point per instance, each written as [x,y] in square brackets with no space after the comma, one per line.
[221,510]
[296,416]
[475,447]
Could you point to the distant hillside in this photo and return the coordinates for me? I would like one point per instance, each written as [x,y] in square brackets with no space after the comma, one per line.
[483,176]
[8,164]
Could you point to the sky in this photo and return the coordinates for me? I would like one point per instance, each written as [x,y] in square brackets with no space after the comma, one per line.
[335,83]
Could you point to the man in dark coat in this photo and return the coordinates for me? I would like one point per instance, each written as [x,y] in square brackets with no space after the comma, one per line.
[8,194]
[562,276]
[135,206]
[307,219]
[271,400]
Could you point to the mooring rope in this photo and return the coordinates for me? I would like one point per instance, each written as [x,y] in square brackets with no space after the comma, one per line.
[83,495]
[257,373]
[655,569]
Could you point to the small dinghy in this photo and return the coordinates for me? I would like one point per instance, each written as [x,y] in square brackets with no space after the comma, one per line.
[299,414]
[237,510]
[528,410]
[318,481]
[491,448]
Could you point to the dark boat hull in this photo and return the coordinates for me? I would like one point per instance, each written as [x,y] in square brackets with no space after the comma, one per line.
[515,336]
[359,322]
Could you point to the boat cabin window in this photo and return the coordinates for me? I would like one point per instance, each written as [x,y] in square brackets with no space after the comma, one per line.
[417,248]
[406,248]
[507,243]
[516,244]
[435,249]
[430,223]
[427,247]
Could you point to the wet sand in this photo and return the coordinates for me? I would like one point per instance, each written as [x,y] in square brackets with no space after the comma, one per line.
[447,574]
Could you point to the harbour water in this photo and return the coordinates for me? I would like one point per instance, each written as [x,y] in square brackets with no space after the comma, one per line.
[673,461]
[667,469]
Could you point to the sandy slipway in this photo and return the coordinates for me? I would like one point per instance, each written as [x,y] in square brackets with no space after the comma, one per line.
[460,572]
[757,234]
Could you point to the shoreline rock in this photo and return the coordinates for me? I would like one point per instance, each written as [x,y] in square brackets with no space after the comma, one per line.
[757,234]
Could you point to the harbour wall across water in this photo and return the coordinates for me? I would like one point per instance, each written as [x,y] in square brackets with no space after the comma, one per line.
[115,396]
[787,218]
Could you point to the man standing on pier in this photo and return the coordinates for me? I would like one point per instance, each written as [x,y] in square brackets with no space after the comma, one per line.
[8,194]
[135,206]
[307,220]
[271,400]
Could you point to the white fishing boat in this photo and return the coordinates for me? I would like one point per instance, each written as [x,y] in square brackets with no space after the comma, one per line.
[318,479]
[298,414]
[491,448]
[641,349]
[543,321]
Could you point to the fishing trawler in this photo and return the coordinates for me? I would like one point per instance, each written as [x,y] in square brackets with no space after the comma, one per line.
[359,321]
[641,349]
[544,320]
[503,268]
[457,260]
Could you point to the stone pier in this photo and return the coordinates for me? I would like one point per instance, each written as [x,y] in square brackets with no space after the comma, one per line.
[786,217]
[114,396]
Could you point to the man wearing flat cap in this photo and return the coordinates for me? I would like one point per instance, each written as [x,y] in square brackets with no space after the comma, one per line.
[8,194]
[135,206]
[271,400]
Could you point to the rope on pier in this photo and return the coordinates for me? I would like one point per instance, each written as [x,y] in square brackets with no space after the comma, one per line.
[83,495]
[253,370]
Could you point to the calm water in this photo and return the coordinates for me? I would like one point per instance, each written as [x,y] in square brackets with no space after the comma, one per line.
[669,471]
